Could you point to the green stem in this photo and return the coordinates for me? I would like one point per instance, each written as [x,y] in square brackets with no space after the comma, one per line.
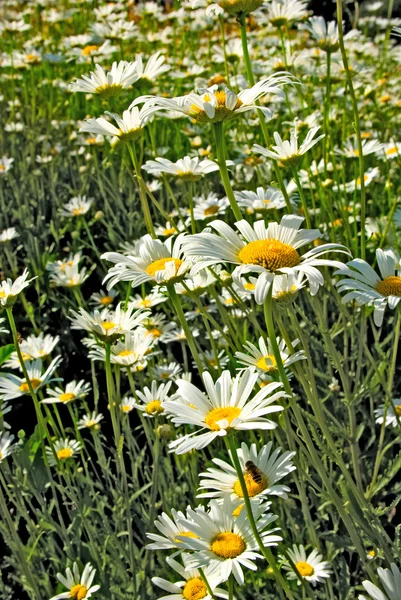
[356,124]
[221,159]
[303,199]
[267,553]
[142,190]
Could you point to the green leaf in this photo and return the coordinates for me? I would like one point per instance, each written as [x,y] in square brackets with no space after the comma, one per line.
[5,352]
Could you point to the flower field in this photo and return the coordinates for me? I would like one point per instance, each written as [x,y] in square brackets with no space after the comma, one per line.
[200,285]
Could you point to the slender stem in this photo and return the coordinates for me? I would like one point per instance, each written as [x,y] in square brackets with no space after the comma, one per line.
[303,199]
[142,190]
[221,159]
[267,553]
[184,324]
[356,124]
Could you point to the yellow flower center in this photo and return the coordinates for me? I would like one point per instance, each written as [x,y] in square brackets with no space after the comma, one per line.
[2,294]
[270,254]
[227,545]
[365,179]
[169,231]
[304,569]
[194,589]
[398,410]
[249,286]
[145,303]
[211,210]
[2,168]
[390,286]
[156,333]
[26,356]
[154,407]
[107,325]
[62,455]
[391,151]
[78,592]
[126,353]
[126,407]
[253,487]
[66,397]
[267,363]
[160,265]
[32,58]
[35,383]
[106,300]
[215,416]
[91,141]
[78,211]
[237,511]
[87,51]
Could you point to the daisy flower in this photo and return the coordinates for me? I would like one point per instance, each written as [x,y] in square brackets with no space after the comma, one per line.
[288,153]
[269,198]
[223,542]
[121,76]
[324,32]
[12,386]
[90,421]
[390,580]
[215,104]
[5,165]
[129,352]
[70,276]
[311,567]
[227,405]
[168,371]
[108,324]
[127,404]
[76,207]
[283,12]
[6,445]
[186,169]
[368,147]
[103,298]
[192,586]
[368,177]
[209,206]
[78,586]
[365,286]
[148,301]
[239,7]
[75,390]
[262,356]
[34,347]
[172,531]
[64,449]
[392,149]
[169,229]
[267,251]
[152,399]
[129,126]
[8,234]
[160,262]
[272,466]
[153,69]
[10,289]
[393,414]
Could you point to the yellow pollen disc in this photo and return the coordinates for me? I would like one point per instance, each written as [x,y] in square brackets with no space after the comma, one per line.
[390,286]
[267,363]
[216,415]
[165,375]
[304,569]
[66,397]
[87,51]
[249,286]
[194,589]
[391,151]
[227,545]
[107,325]
[62,455]
[154,407]
[398,410]
[170,231]
[237,511]
[1,456]
[372,553]
[356,152]
[221,98]
[78,211]
[126,353]
[126,408]
[160,265]
[188,534]
[91,141]
[2,294]
[2,168]
[32,58]
[26,356]
[78,592]
[106,300]
[211,210]
[253,487]
[35,383]
[145,303]
[270,254]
